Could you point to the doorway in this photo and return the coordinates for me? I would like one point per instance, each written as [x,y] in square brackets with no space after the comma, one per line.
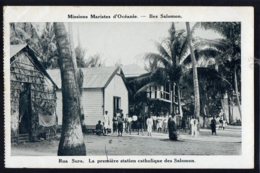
[117,105]
[25,110]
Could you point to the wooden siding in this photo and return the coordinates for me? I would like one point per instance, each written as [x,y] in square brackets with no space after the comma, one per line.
[117,88]
[92,102]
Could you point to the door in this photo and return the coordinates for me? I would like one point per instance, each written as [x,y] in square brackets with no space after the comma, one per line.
[24,110]
[117,105]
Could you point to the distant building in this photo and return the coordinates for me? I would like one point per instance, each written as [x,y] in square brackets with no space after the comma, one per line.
[33,99]
[132,71]
[104,89]
[159,93]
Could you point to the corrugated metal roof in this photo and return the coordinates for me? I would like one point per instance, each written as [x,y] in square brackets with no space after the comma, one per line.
[93,77]
[14,49]
[133,70]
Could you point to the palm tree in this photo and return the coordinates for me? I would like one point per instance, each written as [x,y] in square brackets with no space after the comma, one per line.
[195,73]
[226,51]
[165,65]
[71,142]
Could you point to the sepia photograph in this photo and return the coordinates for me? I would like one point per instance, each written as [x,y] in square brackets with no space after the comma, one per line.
[174,85]
[106,89]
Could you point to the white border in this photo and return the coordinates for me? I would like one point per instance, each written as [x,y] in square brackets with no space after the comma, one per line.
[191,14]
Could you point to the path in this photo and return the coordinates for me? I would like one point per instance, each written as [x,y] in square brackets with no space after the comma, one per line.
[227,142]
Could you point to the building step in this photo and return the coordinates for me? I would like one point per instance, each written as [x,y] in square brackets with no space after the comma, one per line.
[21,138]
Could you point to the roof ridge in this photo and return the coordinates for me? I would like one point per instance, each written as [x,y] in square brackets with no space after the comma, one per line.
[93,78]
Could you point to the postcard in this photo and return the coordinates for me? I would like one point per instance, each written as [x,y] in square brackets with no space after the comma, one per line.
[129,87]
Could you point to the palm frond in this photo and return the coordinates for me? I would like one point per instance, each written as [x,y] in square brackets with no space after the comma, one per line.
[220,44]
[158,59]
[184,48]
[162,50]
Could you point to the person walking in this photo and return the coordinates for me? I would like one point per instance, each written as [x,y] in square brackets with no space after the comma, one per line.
[149,123]
[213,126]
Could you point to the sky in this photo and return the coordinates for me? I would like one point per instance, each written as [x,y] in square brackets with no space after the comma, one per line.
[125,43]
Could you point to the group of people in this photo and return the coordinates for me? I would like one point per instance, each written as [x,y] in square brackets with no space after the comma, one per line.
[213,125]
[105,126]
[167,124]
[171,125]
[118,124]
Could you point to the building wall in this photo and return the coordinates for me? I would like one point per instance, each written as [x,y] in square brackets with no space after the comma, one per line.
[116,87]
[92,102]
[41,99]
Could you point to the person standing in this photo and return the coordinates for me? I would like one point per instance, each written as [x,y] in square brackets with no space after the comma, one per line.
[224,124]
[149,123]
[183,124]
[194,126]
[221,122]
[106,119]
[213,126]
[129,125]
[120,125]
[159,124]
[165,124]
[172,129]
[115,124]
[140,124]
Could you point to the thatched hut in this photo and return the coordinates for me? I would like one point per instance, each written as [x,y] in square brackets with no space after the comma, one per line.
[33,99]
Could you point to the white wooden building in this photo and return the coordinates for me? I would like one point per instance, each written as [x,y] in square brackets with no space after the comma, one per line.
[104,89]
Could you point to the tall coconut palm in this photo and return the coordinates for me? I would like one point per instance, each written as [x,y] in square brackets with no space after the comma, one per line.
[71,142]
[165,65]
[195,73]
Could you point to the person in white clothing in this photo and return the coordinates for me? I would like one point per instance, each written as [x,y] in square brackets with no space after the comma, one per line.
[194,126]
[106,122]
[149,123]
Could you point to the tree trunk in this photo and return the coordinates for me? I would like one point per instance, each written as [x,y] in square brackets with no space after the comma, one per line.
[173,100]
[237,93]
[79,73]
[204,105]
[195,74]
[229,109]
[71,141]
[179,100]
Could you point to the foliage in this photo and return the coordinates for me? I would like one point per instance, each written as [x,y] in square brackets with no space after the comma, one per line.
[41,38]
